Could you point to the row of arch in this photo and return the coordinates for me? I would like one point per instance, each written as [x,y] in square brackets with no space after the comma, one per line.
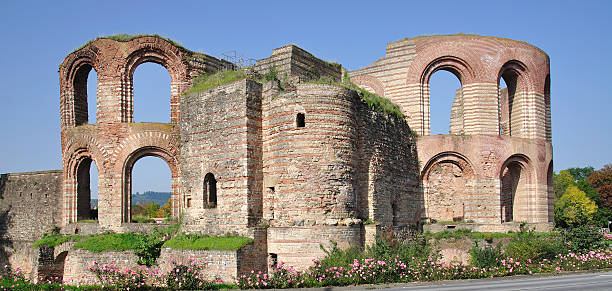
[448,179]
[482,66]
[80,207]
[115,64]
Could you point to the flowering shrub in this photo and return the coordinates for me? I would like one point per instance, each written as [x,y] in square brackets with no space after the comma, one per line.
[373,271]
[110,275]
[186,276]
[280,277]
[11,278]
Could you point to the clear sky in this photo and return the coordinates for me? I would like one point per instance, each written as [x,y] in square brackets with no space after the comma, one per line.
[36,36]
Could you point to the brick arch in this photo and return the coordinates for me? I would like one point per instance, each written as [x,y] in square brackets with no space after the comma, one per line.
[446,180]
[74,71]
[161,52]
[370,82]
[136,152]
[432,57]
[450,157]
[517,180]
[76,168]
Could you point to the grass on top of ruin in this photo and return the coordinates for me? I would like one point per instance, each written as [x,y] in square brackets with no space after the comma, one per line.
[123,37]
[204,242]
[132,241]
[374,101]
[208,81]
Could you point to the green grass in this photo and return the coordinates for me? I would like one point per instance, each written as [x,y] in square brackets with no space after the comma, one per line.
[208,81]
[56,240]
[374,101]
[196,242]
[109,242]
[142,219]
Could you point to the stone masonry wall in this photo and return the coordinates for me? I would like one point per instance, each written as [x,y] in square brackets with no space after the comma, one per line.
[292,61]
[29,206]
[219,135]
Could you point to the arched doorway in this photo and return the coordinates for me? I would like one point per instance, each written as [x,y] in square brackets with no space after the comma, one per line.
[158,157]
[515,192]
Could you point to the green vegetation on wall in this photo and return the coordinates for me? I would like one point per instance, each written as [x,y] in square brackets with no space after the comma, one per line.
[197,242]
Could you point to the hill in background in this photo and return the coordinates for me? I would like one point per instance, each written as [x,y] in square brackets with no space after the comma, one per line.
[158,197]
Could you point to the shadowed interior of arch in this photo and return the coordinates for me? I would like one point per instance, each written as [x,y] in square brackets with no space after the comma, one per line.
[507,84]
[85,95]
[151,83]
[87,190]
[151,190]
[444,87]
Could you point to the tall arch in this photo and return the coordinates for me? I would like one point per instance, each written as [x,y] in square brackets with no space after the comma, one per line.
[447,178]
[513,100]
[455,65]
[73,87]
[517,191]
[77,194]
[127,178]
[164,54]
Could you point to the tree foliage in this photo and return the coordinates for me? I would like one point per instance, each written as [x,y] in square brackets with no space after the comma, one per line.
[574,208]
[561,181]
[601,177]
[581,174]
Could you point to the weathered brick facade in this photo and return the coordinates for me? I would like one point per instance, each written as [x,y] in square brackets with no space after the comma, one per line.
[307,164]
[495,166]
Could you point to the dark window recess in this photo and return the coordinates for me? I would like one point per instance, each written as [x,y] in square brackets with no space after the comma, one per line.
[300,120]
[273,260]
[210,191]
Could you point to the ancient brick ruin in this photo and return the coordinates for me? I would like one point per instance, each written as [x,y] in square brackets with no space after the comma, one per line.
[303,165]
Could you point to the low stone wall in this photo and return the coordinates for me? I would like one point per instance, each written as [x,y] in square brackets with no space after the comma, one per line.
[75,266]
[219,264]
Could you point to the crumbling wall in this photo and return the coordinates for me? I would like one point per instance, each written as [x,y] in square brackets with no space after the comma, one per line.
[30,204]
[220,134]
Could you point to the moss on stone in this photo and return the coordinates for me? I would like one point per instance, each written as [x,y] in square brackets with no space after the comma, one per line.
[196,242]
[122,37]
[56,240]
[209,81]
[374,101]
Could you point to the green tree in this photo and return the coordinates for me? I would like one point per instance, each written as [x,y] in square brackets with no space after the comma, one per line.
[561,181]
[574,208]
[581,174]
[151,209]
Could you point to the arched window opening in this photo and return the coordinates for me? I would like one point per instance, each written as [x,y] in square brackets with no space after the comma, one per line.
[151,87]
[87,191]
[85,95]
[150,183]
[210,191]
[300,120]
[514,192]
[511,86]
[445,104]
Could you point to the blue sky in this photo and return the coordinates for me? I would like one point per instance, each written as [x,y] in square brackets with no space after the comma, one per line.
[36,36]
